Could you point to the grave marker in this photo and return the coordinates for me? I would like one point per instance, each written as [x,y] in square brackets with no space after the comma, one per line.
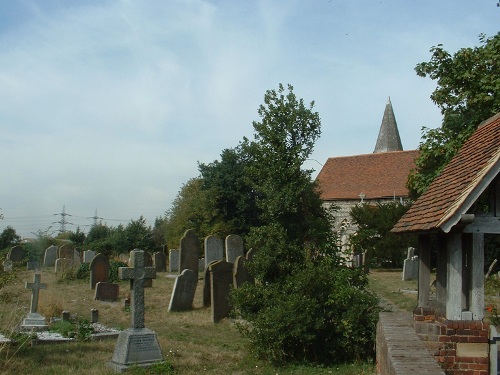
[105,291]
[173,260]
[214,249]
[16,254]
[189,251]
[88,255]
[34,320]
[183,293]
[234,247]
[240,273]
[99,270]
[137,345]
[221,279]
[160,261]
[49,259]
[8,265]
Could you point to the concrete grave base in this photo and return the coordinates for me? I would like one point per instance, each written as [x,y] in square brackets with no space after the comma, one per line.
[34,321]
[136,347]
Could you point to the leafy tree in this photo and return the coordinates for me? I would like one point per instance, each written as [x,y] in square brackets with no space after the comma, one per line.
[9,237]
[304,298]
[78,237]
[191,209]
[139,235]
[230,193]
[467,92]
[374,234]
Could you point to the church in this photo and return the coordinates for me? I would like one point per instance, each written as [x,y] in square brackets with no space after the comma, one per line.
[368,178]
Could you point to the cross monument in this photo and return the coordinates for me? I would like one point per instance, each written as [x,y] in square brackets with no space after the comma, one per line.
[34,320]
[137,345]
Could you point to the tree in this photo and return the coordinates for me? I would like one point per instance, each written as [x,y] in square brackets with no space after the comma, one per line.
[230,193]
[467,92]
[191,209]
[9,237]
[78,237]
[305,306]
[374,235]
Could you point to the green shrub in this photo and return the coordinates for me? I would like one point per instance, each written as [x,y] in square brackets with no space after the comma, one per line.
[113,270]
[83,271]
[320,314]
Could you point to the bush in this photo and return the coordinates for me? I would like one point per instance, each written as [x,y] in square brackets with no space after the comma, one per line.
[113,270]
[83,271]
[320,314]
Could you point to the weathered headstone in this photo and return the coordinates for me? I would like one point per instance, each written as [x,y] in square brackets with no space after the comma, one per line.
[221,279]
[32,265]
[99,270]
[183,293]
[88,255]
[206,285]
[34,320]
[49,259]
[160,261]
[240,272]
[8,265]
[137,345]
[124,257]
[64,265]
[250,254]
[16,254]
[214,249]
[173,261]
[201,265]
[410,269]
[189,252]
[234,247]
[105,291]
[66,251]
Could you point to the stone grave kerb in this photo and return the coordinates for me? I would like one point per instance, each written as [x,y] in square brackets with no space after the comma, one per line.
[137,275]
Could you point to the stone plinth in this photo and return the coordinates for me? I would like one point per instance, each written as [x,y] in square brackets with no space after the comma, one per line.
[34,321]
[136,347]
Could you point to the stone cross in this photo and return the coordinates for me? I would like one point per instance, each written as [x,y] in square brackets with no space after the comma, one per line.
[35,287]
[137,275]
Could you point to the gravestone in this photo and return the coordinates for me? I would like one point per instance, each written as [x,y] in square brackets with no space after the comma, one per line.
[34,320]
[137,345]
[189,252]
[201,265]
[173,261]
[99,270]
[240,273]
[206,286]
[160,261]
[410,266]
[8,265]
[16,254]
[234,247]
[66,251]
[214,249]
[221,279]
[148,262]
[184,289]
[250,254]
[49,259]
[88,255]
[105,291]
[124,257]
[64,265]
[32,266]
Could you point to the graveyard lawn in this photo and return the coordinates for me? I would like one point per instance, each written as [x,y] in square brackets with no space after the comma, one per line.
[393,292]
[190,342]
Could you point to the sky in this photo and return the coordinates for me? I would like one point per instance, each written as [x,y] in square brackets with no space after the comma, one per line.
[108,106]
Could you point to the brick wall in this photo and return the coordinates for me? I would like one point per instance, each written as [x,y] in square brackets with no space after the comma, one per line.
[460,347]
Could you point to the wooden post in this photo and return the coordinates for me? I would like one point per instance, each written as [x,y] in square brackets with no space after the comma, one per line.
[424,270]
[477,277]
[454,277]
[441,274]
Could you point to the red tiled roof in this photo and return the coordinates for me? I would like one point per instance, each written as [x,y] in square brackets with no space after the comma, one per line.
[454,191]
[378,175]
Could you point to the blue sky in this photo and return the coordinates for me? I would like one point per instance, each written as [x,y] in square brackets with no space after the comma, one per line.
[110,105]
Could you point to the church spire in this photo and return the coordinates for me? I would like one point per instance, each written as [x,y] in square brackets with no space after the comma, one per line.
[388,135]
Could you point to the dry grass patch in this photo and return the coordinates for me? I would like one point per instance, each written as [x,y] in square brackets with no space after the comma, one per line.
[189,340]
[387,284]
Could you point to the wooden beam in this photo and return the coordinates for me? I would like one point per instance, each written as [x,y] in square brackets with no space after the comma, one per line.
[477,277]
[424,270]
[454,276]
[484,224]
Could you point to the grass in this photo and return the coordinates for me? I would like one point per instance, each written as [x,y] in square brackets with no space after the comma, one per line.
[190,343]
[392,290]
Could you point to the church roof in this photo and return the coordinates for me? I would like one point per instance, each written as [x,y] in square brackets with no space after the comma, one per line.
[388,135]
[378,175]
[462,181]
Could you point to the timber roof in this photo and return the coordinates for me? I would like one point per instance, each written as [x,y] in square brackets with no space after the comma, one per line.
[377,175]
[462,181]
